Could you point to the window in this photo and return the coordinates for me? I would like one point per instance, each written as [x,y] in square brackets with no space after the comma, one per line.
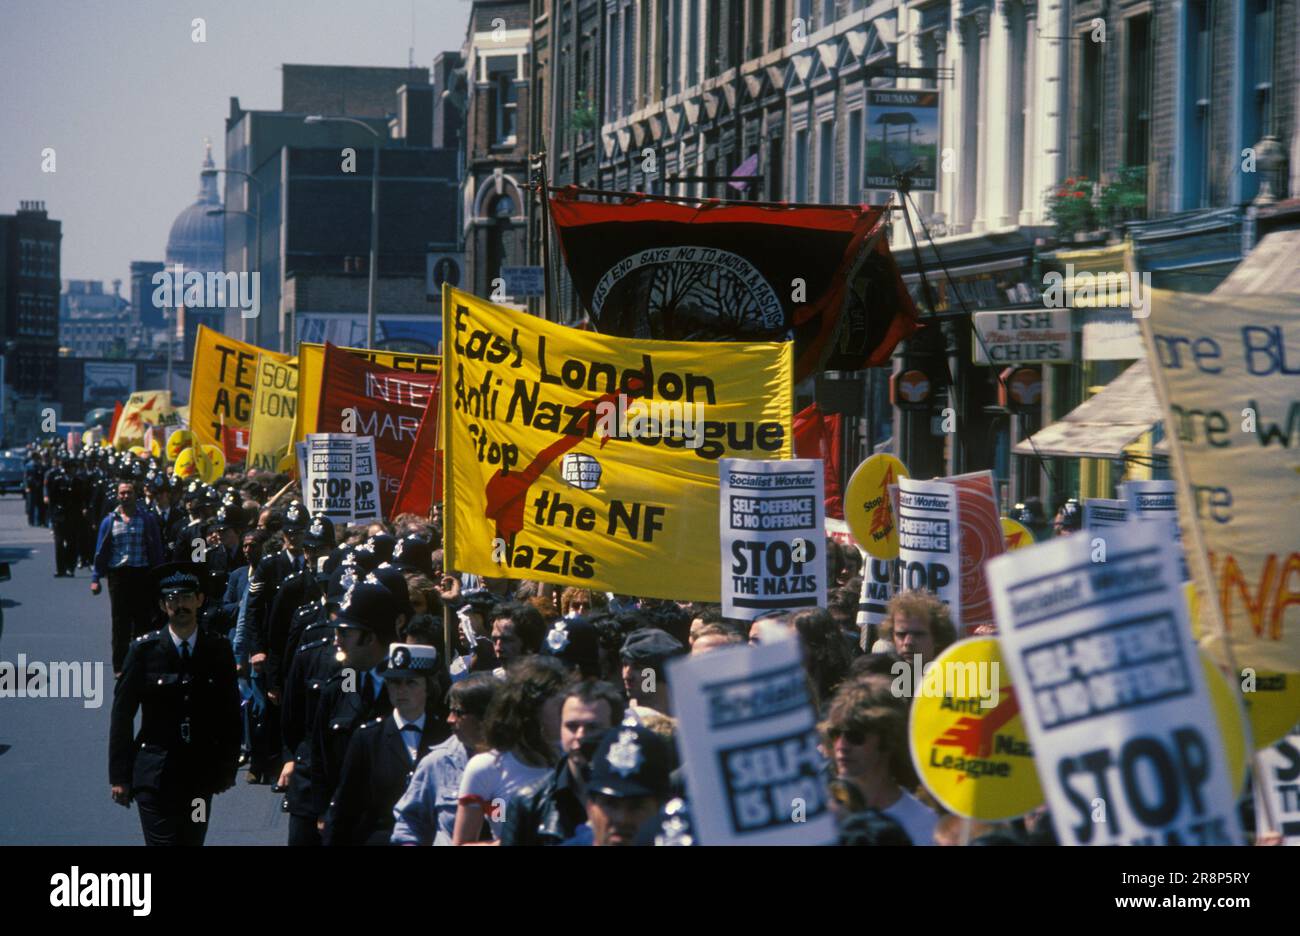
[826,162]
[754,46]
[801,165]
[828,13]
[779,24]
[855,168]
[672,45]
[1196,117]
[693,44]
[712,51]
[1137,110]
[502,99]
[775,167]
[612,89]
[1090,96]
[627,97]
[1259,71]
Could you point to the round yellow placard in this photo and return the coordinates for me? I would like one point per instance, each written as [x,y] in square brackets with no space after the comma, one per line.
[968,741]
[867,508]
[1016,534]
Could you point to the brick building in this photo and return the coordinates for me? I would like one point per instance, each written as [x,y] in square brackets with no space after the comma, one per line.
[497,65]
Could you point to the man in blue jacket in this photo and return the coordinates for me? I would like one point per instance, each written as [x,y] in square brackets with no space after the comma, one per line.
[129,545]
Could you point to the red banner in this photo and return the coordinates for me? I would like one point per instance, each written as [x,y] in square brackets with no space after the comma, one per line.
[234,444]
[817,435]
[370,399]
[422,478]
[981,540]
[823,276]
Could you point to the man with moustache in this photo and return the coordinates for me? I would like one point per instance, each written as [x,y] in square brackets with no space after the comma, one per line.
[628,786]
[187,750]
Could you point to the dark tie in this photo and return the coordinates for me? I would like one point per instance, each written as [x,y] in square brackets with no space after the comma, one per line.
[185,655]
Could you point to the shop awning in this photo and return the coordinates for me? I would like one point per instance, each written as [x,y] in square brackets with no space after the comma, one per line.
[1102,426]
[1270,268]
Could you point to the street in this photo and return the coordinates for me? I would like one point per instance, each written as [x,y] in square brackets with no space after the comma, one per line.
[54,752]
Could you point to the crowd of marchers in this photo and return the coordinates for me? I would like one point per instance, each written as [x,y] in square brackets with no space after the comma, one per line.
[390,700]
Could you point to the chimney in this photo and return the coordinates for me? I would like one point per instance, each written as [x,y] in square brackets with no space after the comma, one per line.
[415,114]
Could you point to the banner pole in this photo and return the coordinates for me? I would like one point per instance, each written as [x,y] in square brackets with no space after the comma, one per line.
[278,495]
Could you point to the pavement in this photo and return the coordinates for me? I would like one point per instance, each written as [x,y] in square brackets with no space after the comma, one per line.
[54,752]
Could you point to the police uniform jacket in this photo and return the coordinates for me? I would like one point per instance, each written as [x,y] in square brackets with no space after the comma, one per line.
[339,713]
[190,729]
[297,589]
[312,666]
[376,770]
[263,583]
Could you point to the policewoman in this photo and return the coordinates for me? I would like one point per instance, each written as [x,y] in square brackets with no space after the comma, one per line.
[182,680]
[383,753]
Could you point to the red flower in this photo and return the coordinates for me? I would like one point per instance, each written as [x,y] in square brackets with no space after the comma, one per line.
[1078,195]
[1069,181]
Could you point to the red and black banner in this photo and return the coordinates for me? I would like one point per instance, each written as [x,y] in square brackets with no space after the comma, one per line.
[822,276]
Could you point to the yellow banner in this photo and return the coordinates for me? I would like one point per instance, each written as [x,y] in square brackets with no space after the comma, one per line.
[311,361]
[143,409]
[1226,371]
[222,383]
[275,401]
[580,458]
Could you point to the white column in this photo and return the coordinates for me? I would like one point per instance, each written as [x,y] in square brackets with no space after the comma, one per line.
[983,175]
[950,105]
[1053,130]
[1030,195]
[997,119]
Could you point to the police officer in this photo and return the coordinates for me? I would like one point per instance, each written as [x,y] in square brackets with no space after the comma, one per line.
[183,680]
[65,517]
[299,587]
[263,584]
[629,784]
[382,754]
[313,663]
[364,627]
[171,520]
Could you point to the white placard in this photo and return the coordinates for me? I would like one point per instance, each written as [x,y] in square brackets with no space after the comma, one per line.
[1279,776]
[330,477]
[366,500]
[1102,512]
[929,541]
[748,735]
[1112,692]
[878,582]
[1157,500]
[772,536]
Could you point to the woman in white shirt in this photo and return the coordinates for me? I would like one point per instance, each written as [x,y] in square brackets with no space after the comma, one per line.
[523,733]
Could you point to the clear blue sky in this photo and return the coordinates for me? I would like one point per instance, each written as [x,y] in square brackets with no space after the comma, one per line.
[125,97]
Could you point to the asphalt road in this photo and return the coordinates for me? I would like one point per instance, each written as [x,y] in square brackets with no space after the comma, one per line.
[54,786]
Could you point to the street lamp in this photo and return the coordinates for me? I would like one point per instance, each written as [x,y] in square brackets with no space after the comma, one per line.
[374,217]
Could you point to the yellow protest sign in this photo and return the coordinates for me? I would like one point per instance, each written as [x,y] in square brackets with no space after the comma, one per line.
[222,383]
[143,409]
[867,507]
[1016,534]
[311,362]
[185,466]
[210,461]
[576,457]
[1230,715]
[178,442]
[275,403]
[1225,371]
[968,742]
